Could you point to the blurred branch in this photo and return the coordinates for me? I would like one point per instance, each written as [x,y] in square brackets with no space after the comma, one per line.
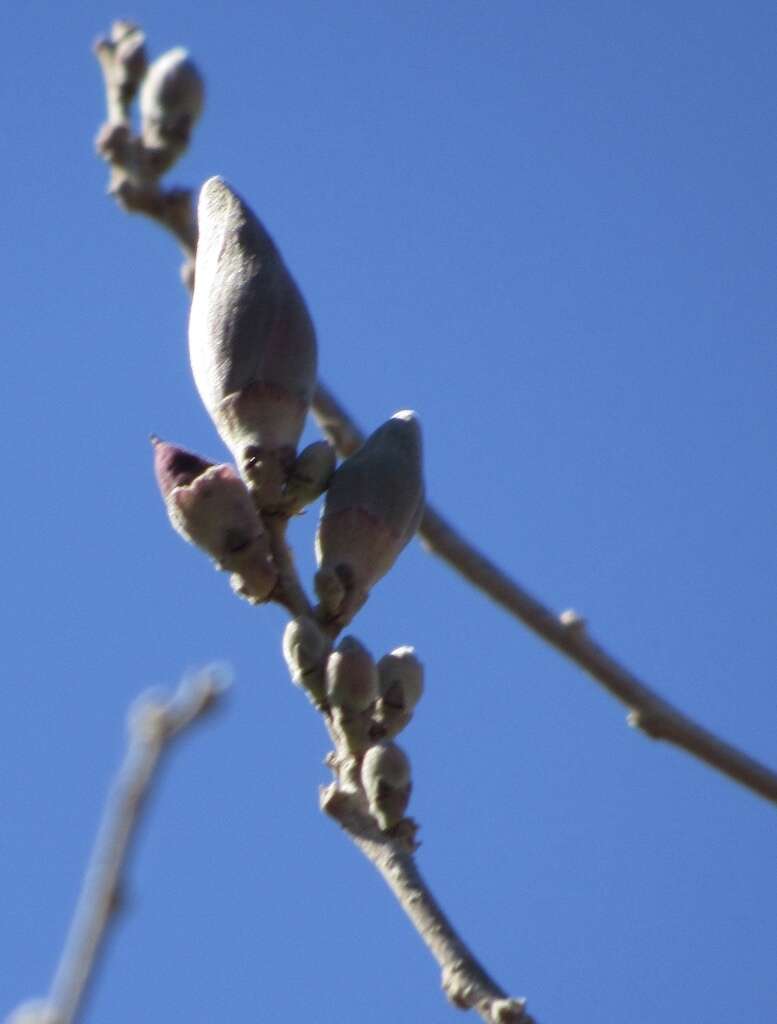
[153,724]
[567,632]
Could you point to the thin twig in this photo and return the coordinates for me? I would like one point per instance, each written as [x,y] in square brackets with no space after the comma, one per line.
[289,592]
[153,725]
[464,981]
[657,718]
[649,712]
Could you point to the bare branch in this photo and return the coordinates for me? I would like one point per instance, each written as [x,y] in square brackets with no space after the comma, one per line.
[153,724]
[464,981]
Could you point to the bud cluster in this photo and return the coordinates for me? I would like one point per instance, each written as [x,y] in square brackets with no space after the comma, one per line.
[367,705]
[254,359]
[172,95]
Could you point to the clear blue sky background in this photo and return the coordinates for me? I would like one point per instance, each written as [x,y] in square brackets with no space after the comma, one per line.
[549,228]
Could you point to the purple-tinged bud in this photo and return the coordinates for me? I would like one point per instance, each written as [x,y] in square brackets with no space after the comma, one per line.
[373,507]
[171,101]
[401,683]
[251,342]
[385,775]
[304,649]
[210,506]
[310,476]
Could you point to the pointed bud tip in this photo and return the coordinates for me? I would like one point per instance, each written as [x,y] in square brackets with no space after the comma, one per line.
[174,466]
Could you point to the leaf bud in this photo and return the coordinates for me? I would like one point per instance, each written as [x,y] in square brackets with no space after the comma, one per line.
[351,676]
[310,475]
[209,506]
[304,650]
[127,44]
[401,683]
[251,342]
[171,101]
[373,507]
[385,775]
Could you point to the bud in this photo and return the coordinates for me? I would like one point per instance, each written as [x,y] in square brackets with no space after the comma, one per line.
[351,676]
[373,507]
[251,342]
[309,476]
[352,689]
[129,58]
[171,100]
[209,506]
[304,649]
[401,683]
[386,779]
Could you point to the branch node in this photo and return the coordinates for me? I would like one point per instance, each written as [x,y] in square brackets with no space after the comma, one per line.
[650,723]
[573,621]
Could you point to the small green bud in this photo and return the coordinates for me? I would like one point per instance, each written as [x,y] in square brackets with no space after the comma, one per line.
[385,775]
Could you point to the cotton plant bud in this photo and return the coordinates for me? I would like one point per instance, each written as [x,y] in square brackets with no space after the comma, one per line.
[372,509]
[385,775]
[209,506]
[401,683]
[171,101]
[304,649]
[310,475]
[251,342]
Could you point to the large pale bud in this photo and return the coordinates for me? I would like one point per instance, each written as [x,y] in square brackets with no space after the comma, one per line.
[209,506]
[385,775]
[304,649]
[352,689]
[372,509]
[401,684]
[171,101]
[251,342]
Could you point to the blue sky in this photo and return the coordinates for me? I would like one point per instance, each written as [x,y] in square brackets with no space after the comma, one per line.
[548,228]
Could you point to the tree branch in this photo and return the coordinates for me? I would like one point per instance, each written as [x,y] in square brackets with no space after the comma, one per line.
[464,981]
[153,724]
[567,633]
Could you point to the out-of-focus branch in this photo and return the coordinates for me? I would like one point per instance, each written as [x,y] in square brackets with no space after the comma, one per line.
[464,981]
[567,632]
[153,725]
[136,164]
